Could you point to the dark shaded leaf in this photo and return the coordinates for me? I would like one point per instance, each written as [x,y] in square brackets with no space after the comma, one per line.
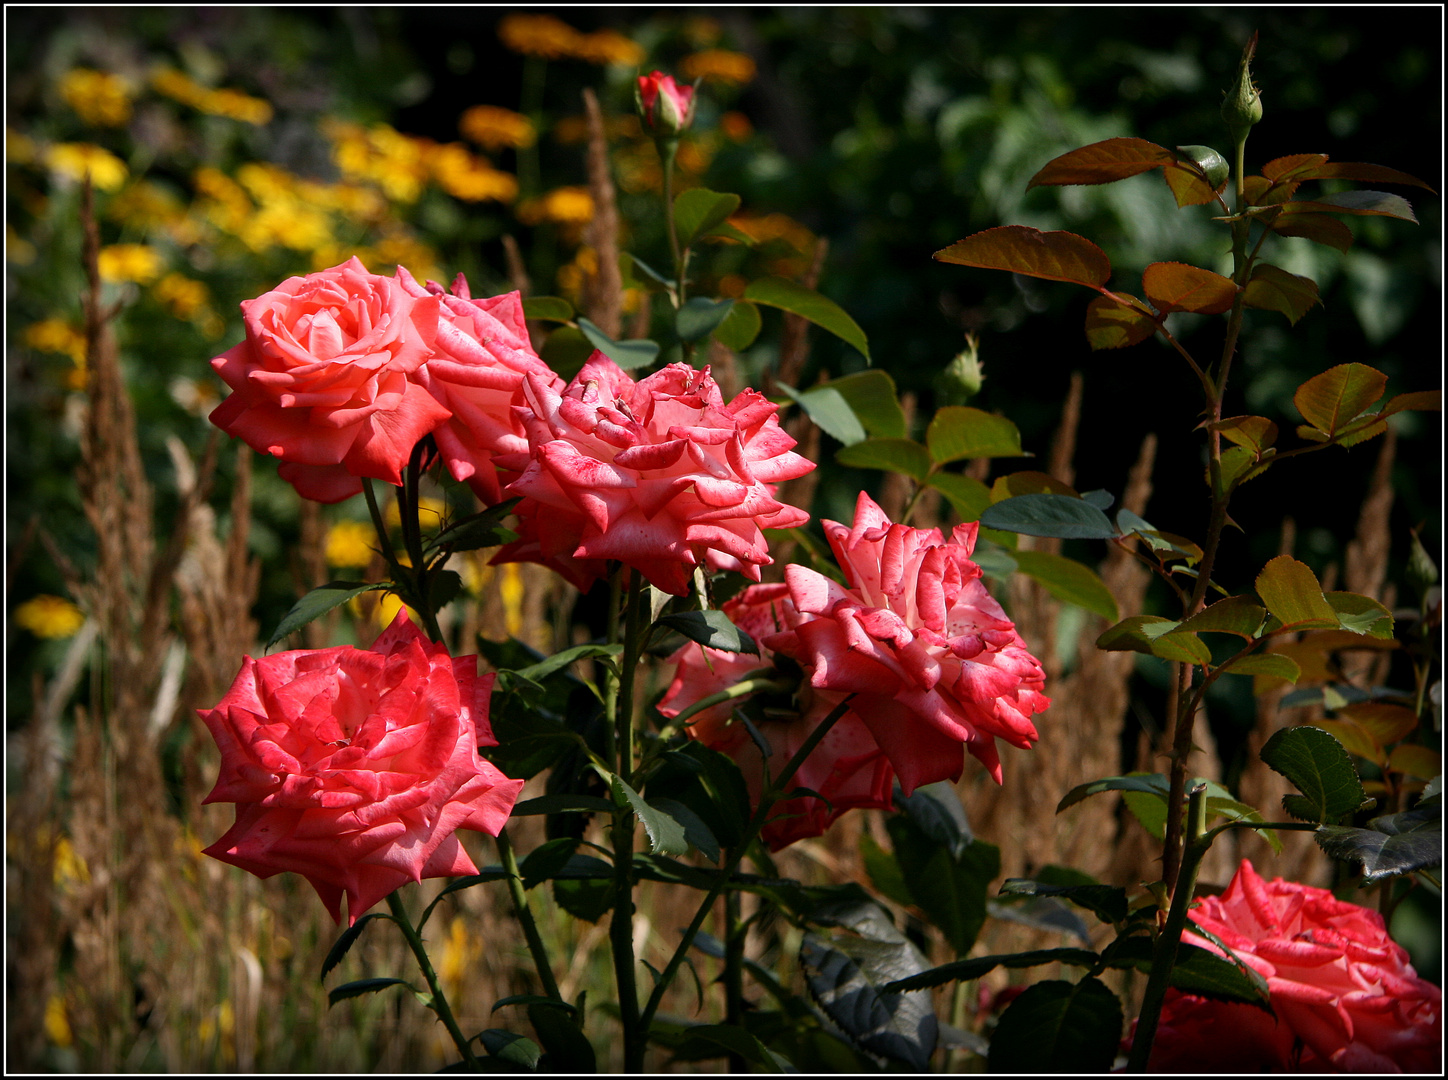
[1359,202]
[1057,1026]
[318,602]
[975,967]
[1049,515]
[1103,162]
[1392,844]
[705,1041]
[1106,902]
[696,831]
[666,836]
[1115,324]
[1173,286]
[345,942]
[561,804]
[545,860]
[1320,768]
[700,316]
[968,495]
[511,1047]
[711,628]
[950,888]
[363,986]
[936,808]
[567,1050]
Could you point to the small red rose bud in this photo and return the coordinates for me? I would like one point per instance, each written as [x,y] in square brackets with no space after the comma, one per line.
[666,108]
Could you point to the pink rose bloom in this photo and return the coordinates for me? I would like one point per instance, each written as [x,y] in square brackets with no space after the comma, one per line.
[659,474]
[326,379]
[1346,998]
[355,767]
[666,107]
[482,354]
[847,767]
[935,665]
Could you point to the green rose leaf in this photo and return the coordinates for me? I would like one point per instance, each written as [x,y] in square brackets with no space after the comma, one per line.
[628,355]
[699,210]
[892,455]
[318,602]
[666,836]
[1392,844]
[1069,581]
[807,304]
[364,986]
[548,308]
[1055,256]
[968,495]
[959,431]
[1292,594]
[872,396]
[1046,514]
[1320,768]
[830,412]
[740,326]
[711,628]
[976,966]
[700,316]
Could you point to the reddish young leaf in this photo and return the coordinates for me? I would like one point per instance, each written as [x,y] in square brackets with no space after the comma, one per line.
[1290,166]
[1056,256]
[1260,191]
[1357,202]
[1339,395]
[1317,227]
[1103,162]
[1175,286]
[1385,723]
[1423,400]
[1188,186]
[1274,289]
[1317,167]
[1111,324]
[1256,433]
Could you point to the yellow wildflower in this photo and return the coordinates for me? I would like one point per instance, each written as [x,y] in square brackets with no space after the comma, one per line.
[50,616]
[67,866]
[184,297]
[18,249]
[19,148]
[469,177]
[130,262]
[610,47]
[230,103]
[225,203]
[568,130]
[395,162]
[351,544]
[398,248]
[429,513]
[565,205]
[718,65]
[145,205]
[57,1025]
[56,336]
[459,954]
[511,591]
[494,128]
[389,606]
[98,97]
[573,276]
[702,30]
[73,161]
[539,35]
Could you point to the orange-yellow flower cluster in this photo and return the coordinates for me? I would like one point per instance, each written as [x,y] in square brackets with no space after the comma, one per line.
[74,161]
[98,97]
[230,103]
[554,39]
[401,165]
[563,206]
[56,336]
[50,617]
[495,128]
[718,65]
[130,262]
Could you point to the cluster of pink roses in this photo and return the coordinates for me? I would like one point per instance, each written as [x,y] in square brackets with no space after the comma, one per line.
[933,663]
[343,372]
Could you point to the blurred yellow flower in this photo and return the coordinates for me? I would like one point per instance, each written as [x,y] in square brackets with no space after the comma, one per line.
[57,1025]
[67,867]
[510,588]
[429,513]
[351,544]
[494,128]
[97,97]
[460,953]
[184,297]
[389,606]
[130,262]
[395,162]
[568,130]
[19,148]
[539,35]
[230,103]
[18,250]
[736,126]
[610,47]
[702,30]
[145,205]
[718,65]
[56,336]
[573,276]
[467,176]
[565,206]
[74,161]
[50,616]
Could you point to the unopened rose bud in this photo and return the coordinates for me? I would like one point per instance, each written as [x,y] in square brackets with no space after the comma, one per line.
[1242,107]
[1213,165]
[666,108]
[961,379]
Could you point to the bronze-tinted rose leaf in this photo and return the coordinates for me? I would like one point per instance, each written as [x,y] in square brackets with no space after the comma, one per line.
[1425,400]
[1056,256]
[1292,165]
[1314,226]
[1175,286]
[1274,289]
[1380,203]
[1341,394]
[1259,191]
[1103,162]
[1357,170]
[1111,324]
[1189,187]
[1256,433]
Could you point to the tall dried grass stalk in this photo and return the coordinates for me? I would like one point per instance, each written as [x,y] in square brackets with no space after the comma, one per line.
[603,293]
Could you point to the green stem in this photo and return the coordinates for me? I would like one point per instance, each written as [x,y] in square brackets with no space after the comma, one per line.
[733,978]
[668,151]
[772,794]
[409,508]
[525,916]
[621,925]
[1165,953]
[439,999]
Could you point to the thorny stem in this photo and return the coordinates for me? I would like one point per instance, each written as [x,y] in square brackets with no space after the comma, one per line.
[774,790]
[439,999]
[524,913]
[1164,956]
[621,924]
[733,978]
